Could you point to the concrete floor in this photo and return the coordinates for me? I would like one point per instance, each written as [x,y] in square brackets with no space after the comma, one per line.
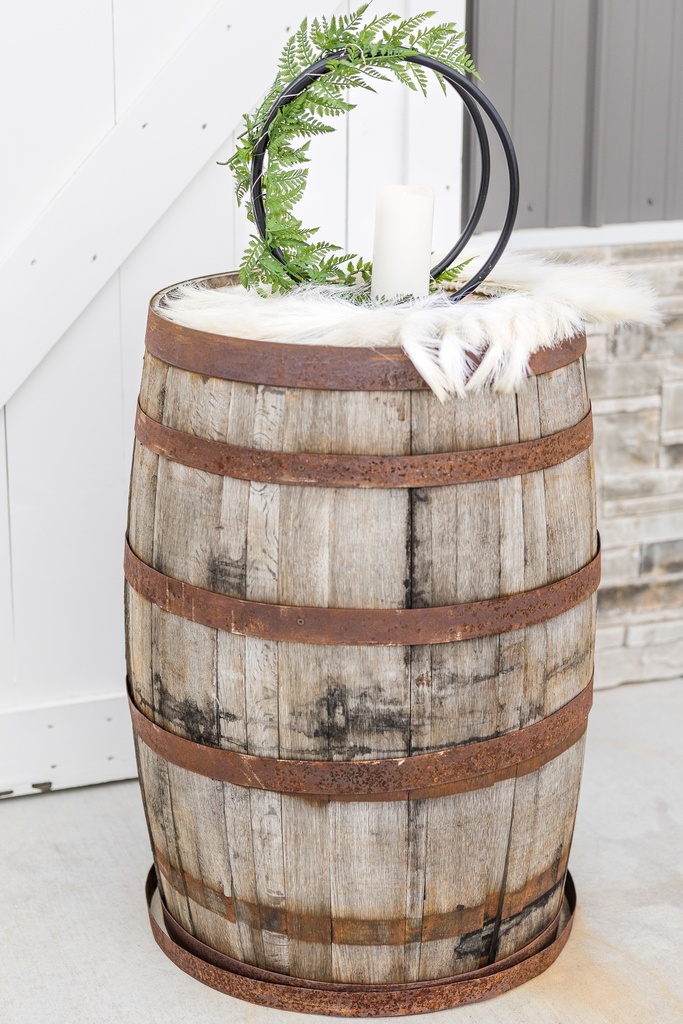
[76,947]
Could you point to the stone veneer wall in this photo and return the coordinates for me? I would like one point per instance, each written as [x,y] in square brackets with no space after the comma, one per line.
[636,384]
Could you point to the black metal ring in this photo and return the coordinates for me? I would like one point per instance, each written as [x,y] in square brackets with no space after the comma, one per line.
[472,97]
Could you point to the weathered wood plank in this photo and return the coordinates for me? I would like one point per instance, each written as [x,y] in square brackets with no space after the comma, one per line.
[513,710]
[369,568]
[457,558]
[540,837]
[368,872]
[349,423]
[535,525]
[142,501]
[570,501]
[343,548]
[158,801]
[191,695]
[465,864]
[306,833]
[418,824]
[453,527]
[138,614]
[305,678]
[241,838]
[203,851]
[153,386]
[183,653]
[150,686]
[231,698]
[261,679]
[572,537]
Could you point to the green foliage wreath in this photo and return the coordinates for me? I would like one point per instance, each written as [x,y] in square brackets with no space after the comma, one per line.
[372,49]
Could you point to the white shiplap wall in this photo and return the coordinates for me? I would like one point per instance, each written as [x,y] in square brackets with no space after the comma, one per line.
[70,361]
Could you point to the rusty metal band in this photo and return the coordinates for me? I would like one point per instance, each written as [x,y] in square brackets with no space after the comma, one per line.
[326,470]
[320,367]
[437,773]
[267,988]
[371,627]
[458,923]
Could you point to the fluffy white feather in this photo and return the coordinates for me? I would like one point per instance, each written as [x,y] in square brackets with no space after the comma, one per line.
[527,303]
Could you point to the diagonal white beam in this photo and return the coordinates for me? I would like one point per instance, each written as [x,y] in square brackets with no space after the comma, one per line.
[134,175]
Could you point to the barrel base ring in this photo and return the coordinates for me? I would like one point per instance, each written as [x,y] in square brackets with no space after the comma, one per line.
[266,988]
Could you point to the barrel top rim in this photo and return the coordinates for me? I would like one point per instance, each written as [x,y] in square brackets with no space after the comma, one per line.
[232,277]
[292,364]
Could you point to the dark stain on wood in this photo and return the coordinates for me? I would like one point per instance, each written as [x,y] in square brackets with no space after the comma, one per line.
[343,713]
[228,576]
[184,715]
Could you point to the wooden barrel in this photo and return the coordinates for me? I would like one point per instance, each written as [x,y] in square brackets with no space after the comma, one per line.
[360,650]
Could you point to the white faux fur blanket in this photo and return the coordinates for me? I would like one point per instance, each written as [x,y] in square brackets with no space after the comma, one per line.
[526,304]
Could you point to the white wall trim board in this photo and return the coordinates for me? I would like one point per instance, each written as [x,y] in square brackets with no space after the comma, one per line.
[7,666]
[643,233]
[61,745]
[133,176]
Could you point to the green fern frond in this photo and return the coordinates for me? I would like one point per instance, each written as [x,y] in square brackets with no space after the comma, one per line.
[403,30]
[307,126]
[305,50]
[288,63]
[449,275]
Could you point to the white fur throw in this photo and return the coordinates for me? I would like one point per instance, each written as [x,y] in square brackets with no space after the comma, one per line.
[526,304]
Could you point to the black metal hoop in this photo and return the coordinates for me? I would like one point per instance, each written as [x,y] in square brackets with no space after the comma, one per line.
[473,98]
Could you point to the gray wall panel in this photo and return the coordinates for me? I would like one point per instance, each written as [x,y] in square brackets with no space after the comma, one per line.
[570,114]
[591,92]
[490,33]
[616,58]
[531,127]
[673,209]
[650,121]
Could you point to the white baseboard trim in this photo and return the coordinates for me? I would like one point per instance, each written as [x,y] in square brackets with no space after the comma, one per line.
[58,746]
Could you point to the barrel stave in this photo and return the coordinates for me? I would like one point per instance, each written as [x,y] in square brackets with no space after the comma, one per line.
[308,842]
[464,868]
[541,831]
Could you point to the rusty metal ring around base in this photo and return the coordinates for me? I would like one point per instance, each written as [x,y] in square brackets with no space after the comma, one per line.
[267,988]
[458,769]
[319,469]
[319,367]
[358,627]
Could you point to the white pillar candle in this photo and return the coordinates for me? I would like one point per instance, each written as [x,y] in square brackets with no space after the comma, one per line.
[401,259]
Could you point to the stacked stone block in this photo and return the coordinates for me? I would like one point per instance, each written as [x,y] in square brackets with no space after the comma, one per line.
[636,381]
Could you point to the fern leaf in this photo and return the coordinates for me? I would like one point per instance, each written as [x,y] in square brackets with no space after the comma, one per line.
[289,65]
[304,48]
